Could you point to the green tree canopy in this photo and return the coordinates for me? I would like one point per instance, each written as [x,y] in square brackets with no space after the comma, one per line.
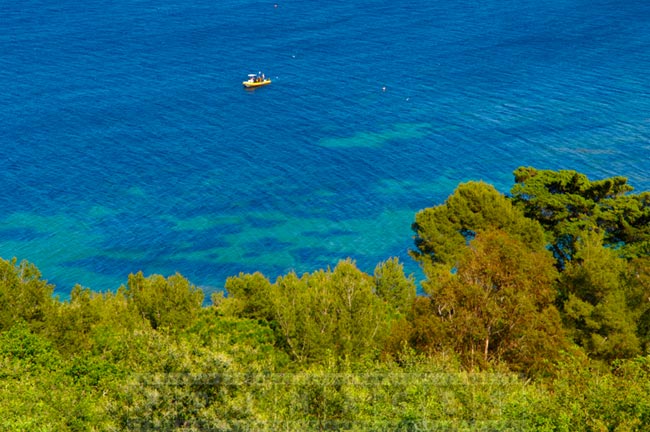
[566,203]
[172,302]
[77,324]
[499,304]
[329,312]
[597,309]
[23,294]
[393,286]
[442,232]
[637,287]
[333,311]
[249,296]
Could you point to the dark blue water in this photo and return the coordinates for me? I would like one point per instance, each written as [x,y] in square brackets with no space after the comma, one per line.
[128,142]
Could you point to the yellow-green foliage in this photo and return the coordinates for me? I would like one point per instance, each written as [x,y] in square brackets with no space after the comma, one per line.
[171,302]
[23,294]
[596,308]
[329,311]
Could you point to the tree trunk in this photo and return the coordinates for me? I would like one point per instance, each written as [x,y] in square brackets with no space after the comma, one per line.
[485,351]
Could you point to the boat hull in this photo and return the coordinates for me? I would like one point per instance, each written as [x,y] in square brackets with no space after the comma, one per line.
[252,84]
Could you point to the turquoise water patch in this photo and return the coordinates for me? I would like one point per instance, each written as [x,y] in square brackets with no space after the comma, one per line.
[51,242]
[21,234]
[201,223]
[282,244]
[399,131]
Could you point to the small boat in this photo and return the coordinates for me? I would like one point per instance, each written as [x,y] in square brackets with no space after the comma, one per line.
[256,80]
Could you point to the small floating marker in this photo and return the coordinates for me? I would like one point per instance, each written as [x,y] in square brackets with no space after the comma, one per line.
[275,5]
[383,88]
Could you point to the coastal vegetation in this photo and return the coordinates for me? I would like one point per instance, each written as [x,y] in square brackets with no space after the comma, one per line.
[534,315]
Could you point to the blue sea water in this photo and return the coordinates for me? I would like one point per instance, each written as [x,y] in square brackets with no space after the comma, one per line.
[128,142]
